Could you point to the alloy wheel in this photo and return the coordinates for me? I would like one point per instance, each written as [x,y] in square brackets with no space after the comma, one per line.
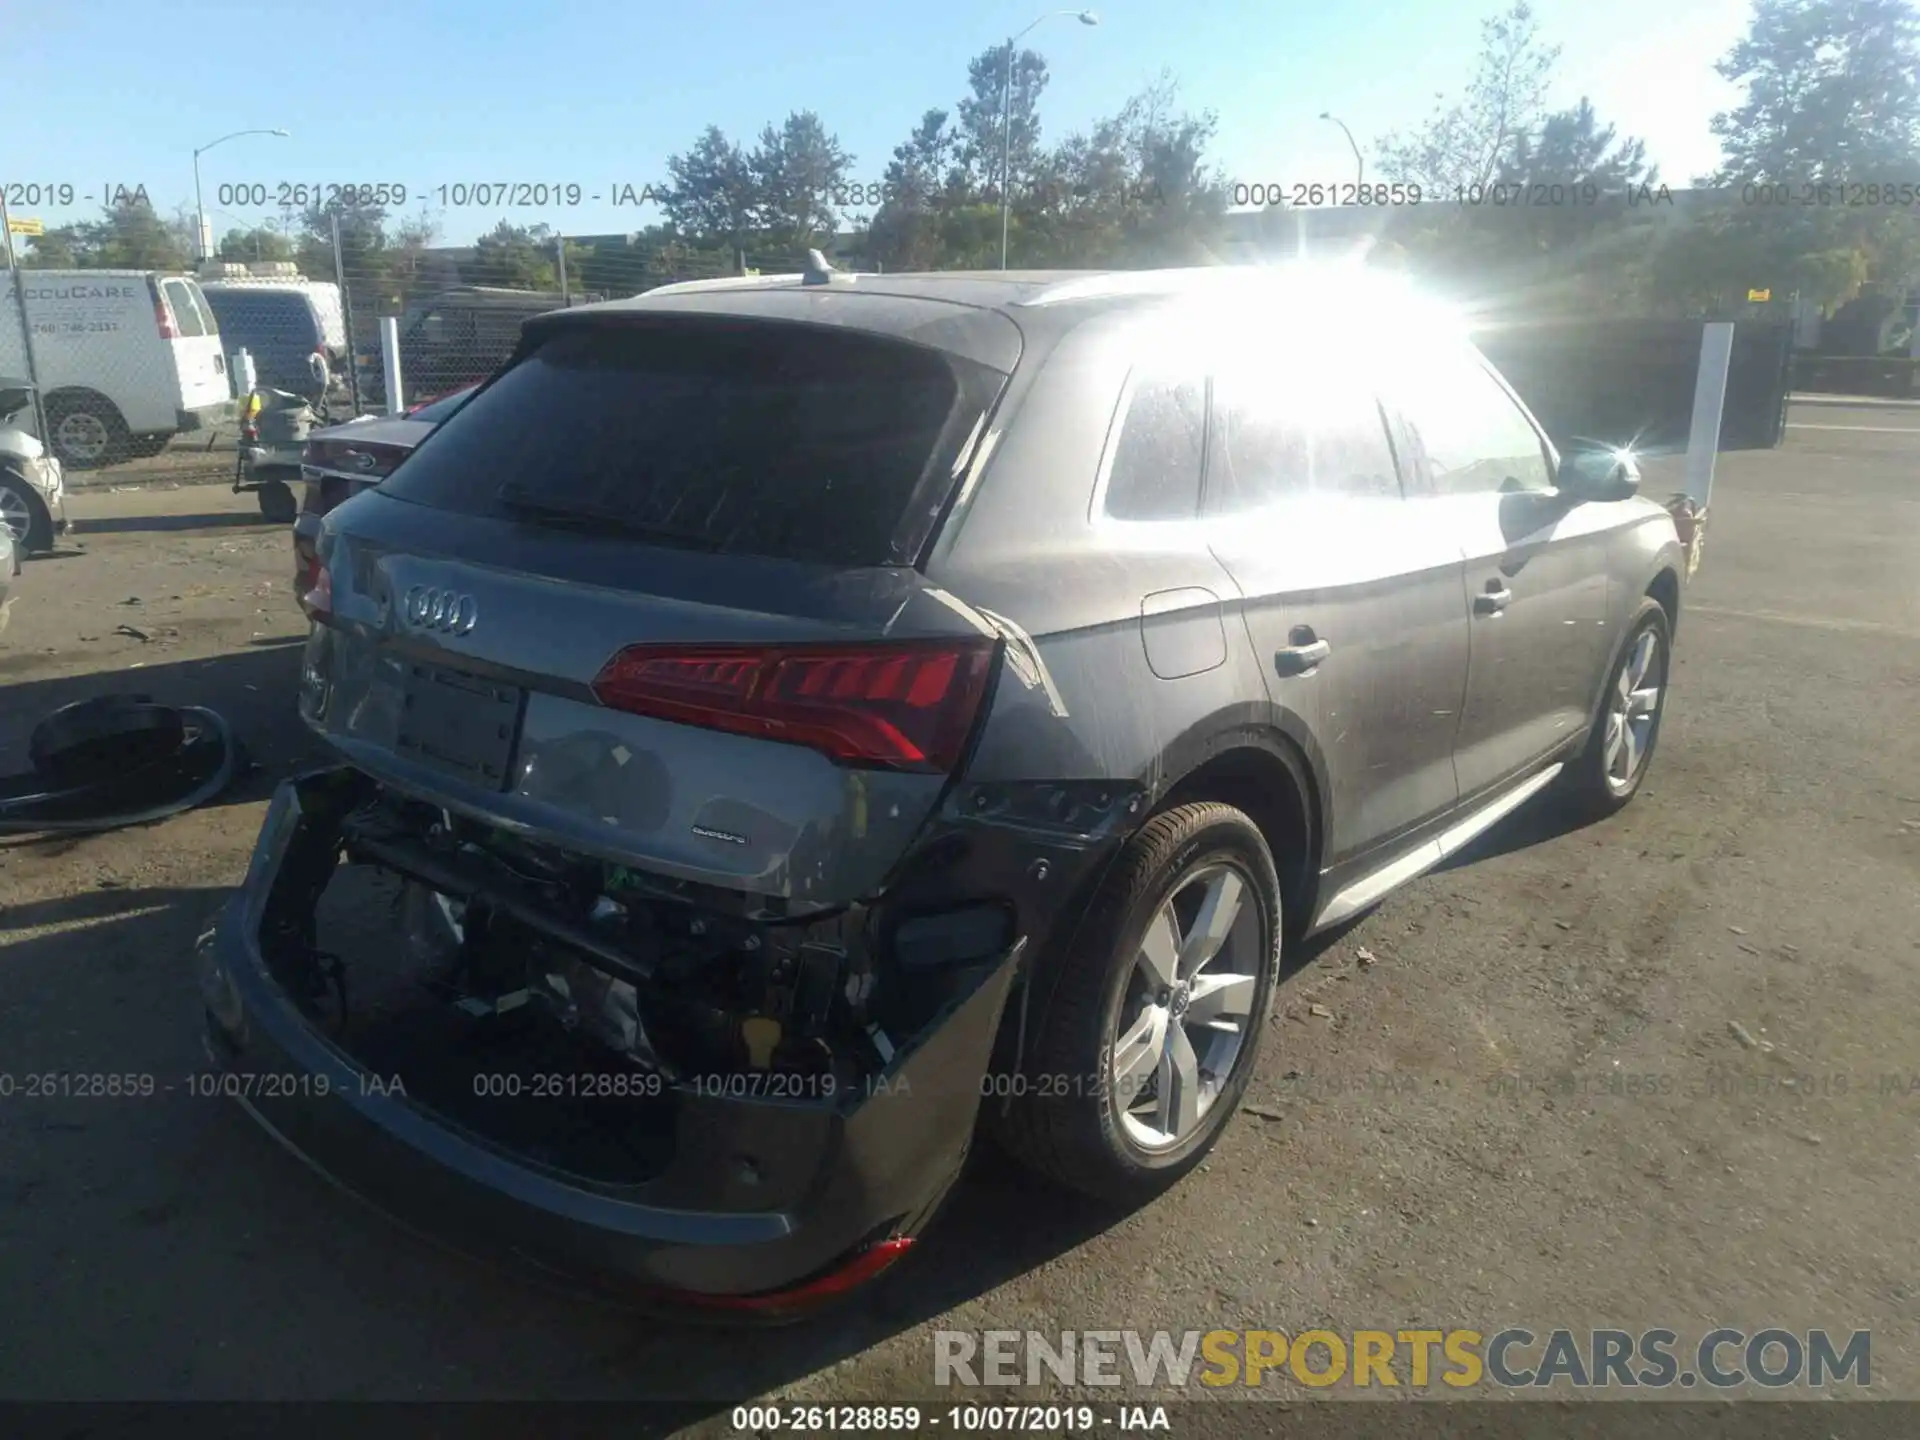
[1633,711]
[1186,1015]
[16,515]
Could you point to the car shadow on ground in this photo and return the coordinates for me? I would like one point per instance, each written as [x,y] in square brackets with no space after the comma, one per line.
[252,689]
[1546,817]
[161,524]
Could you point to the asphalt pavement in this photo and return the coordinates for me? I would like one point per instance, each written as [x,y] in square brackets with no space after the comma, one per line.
[1440,1133]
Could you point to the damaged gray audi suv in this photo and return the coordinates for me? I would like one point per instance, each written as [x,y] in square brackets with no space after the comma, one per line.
[786,725]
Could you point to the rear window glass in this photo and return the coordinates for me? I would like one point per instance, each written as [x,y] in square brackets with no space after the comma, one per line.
[189,316]
[794,442]
[281,316]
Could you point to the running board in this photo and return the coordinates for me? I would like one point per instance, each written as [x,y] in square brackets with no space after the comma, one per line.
[1375,886]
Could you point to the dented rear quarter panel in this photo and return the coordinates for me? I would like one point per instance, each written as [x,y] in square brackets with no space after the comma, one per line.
[1140,659]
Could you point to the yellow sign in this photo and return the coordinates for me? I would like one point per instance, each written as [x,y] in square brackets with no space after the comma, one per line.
[1759,295]
[18,226]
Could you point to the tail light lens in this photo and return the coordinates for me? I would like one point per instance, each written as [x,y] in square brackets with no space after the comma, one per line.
[162,316]
[900,706]
[317,602]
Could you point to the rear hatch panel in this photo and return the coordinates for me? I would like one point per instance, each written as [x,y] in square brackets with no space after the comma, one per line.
[459,657]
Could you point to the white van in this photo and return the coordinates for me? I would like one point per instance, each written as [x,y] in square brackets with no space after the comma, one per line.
[125,359]
[282,275]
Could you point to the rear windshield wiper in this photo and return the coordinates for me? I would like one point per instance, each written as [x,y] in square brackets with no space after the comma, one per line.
[539,511]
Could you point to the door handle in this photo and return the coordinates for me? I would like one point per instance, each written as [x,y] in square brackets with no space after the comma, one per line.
[1299,659]
[1492,602]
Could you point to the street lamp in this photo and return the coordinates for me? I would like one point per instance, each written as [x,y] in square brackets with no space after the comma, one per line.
[1359,165]
[199,206]
[1085,17]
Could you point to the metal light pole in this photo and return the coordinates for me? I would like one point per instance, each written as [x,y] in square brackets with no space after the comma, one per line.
[199,206]
[1359,165]
[1085,17]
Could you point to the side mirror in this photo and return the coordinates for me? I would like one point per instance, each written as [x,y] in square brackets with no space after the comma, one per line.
[1599,475]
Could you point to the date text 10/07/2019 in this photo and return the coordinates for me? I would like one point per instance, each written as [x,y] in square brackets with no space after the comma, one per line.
[824,1419]
[450,195]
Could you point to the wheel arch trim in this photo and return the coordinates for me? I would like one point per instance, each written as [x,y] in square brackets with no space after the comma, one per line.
[1278,735]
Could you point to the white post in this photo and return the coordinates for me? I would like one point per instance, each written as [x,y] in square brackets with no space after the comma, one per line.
[245,375]
[1709,398]
[390,354]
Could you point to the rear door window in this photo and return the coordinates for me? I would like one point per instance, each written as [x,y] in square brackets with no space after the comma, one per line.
[1156,460]
[1293,429]
[780,440]
[190,317]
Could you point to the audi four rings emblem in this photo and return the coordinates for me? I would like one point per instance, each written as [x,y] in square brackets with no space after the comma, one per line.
[434,609]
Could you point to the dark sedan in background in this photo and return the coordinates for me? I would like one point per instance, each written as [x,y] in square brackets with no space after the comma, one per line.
[345,459]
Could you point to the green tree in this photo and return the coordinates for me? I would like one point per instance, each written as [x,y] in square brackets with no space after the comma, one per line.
[128,236]
[1135,190]
[1471,140]
[983,137]
[54,250]
[1832,93]
[1553,233]
[1831,98]
[262,242]
[634,264]
[518,257]
[710,199]
[905,233]
[794,173]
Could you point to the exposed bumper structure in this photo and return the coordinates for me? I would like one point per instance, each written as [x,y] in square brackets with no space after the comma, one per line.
[761,1195]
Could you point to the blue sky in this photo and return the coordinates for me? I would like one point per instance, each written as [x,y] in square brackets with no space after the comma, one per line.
[430,92]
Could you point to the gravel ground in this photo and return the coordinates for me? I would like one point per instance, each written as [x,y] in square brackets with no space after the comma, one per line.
[1413,1156]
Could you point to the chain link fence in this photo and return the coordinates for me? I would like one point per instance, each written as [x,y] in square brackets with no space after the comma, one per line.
[144,376]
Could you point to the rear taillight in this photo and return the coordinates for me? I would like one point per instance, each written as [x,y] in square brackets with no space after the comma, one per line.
[903,706]
[162,316]
[317,600]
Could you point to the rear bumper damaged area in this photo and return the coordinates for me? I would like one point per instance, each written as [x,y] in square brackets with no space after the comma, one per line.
[540,1058]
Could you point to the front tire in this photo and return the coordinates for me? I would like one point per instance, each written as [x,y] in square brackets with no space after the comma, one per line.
[1156,1014]
[1609,771]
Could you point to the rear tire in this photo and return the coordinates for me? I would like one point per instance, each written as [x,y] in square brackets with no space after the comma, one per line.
[88,430]
[1126,1085]
[1609,771]
[277,502]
